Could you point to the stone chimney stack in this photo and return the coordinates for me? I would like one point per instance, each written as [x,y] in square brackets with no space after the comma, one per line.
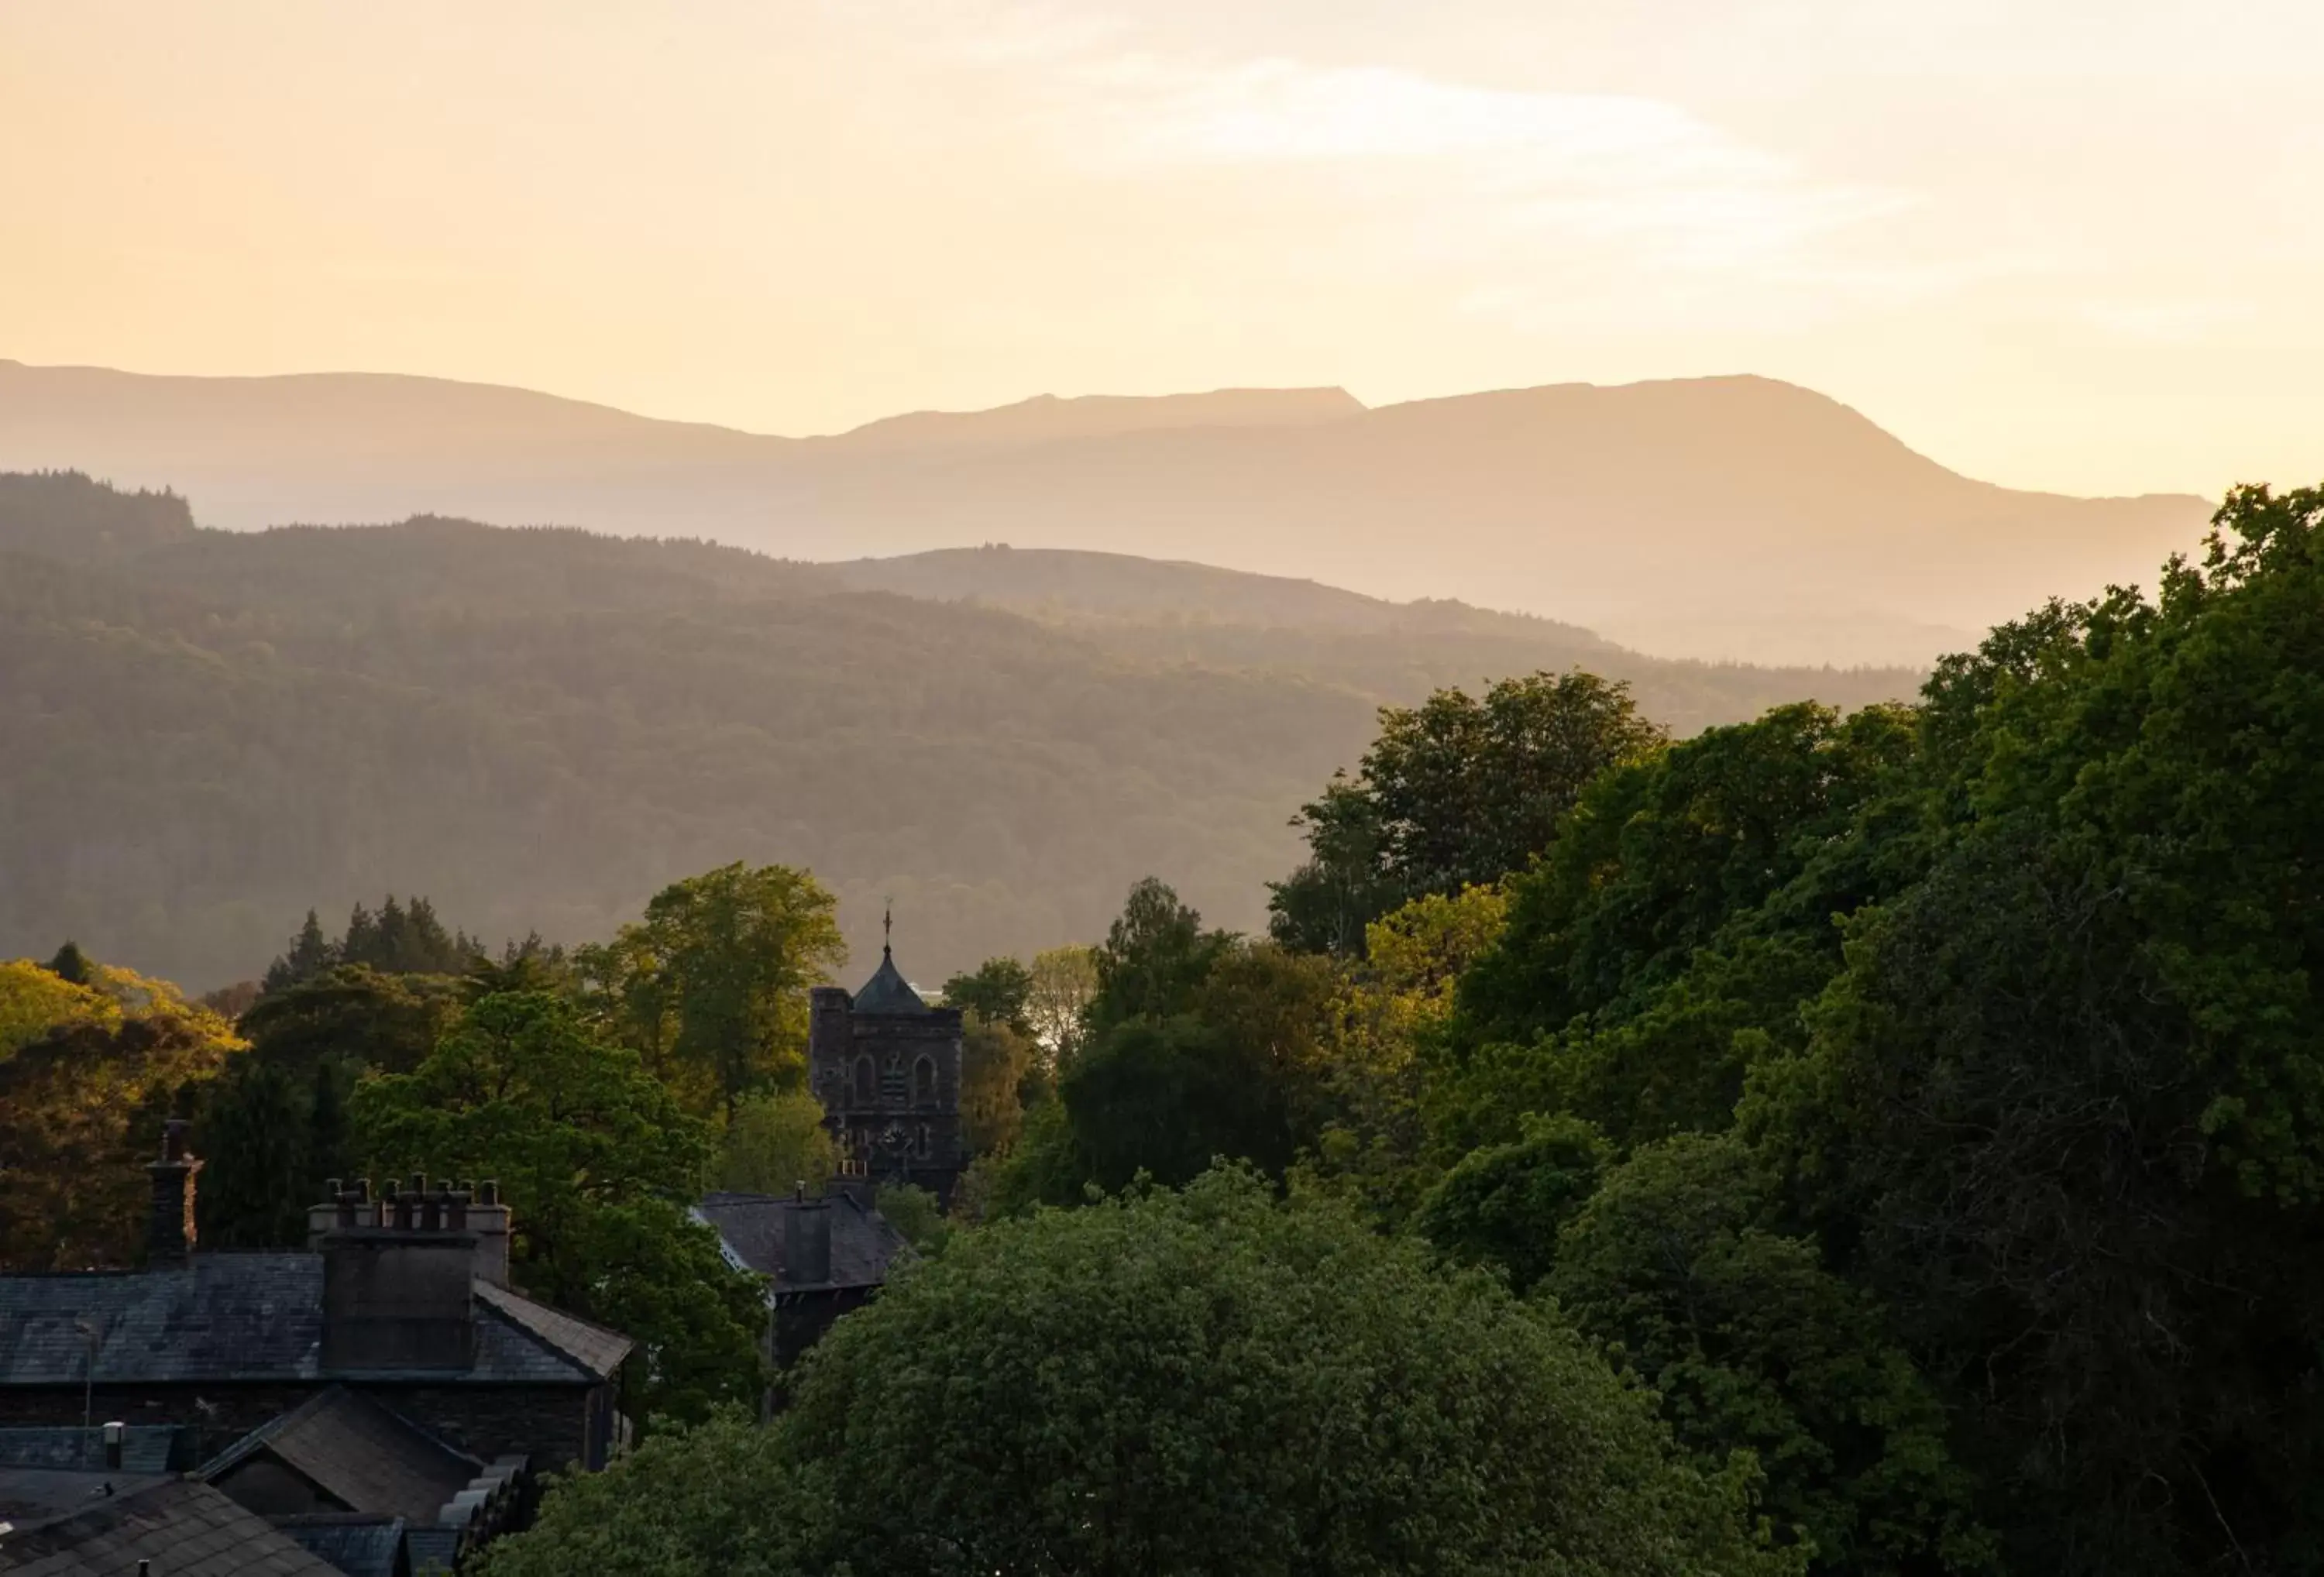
[170,1229]
[807,1243]
[489,1219]
[399,1278]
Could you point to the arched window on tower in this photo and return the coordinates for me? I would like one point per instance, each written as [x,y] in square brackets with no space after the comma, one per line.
[924,1081]
[866,1080]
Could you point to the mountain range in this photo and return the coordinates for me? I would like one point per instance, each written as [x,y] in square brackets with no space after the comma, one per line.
[1720,518]
[208,732]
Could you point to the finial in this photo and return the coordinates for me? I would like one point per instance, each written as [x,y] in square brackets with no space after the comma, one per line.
[888,930]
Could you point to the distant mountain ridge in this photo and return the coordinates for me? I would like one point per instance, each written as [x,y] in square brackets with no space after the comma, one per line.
[1734,517]
[206,732]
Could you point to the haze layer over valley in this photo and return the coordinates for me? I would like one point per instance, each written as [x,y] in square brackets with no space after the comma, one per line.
[1722,518]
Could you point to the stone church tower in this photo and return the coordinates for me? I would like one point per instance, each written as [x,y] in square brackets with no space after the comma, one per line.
[885,1066]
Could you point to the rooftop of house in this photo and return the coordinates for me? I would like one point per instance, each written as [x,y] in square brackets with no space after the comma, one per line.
[252,1318]
[358,1452]
[186,1528]
[357,1546]
[753,1227]
[145,1448]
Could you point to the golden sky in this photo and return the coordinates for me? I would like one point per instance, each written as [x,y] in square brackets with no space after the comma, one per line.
[2064,244]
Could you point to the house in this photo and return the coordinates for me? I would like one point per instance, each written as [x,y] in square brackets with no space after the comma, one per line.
[821,1256]
[388,1373]
[69,1524]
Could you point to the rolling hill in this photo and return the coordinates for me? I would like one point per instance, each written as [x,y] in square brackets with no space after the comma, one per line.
[1736,518]
[209,731]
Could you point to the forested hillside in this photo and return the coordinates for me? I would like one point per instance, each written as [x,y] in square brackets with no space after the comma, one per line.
[210,731]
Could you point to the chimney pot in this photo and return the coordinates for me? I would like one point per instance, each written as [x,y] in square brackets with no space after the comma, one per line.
[114,1432]
[488,1192]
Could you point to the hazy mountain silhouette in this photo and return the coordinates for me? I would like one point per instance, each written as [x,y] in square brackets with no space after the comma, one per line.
[209,731]
[1718,517]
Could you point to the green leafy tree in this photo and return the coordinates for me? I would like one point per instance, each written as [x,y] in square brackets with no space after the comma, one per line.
[595,1157]
[354,1014]
[1754,1345]
[1505,1204]
[1000,990]
[1670,936]
[711,987]
[1459,791]
[2063,1110]
[1064,984]
[997,1060]
[774,1143]
[715,1501]
[1210,1381]
[1154,957]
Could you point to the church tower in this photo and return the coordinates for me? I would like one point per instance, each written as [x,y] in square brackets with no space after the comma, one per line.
[885,1066]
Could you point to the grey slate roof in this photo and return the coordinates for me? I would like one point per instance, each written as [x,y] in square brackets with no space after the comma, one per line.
[863,1243]
[360,1546]
[186,1529]
[887,992]
[145,1448]
[252,1317]
[30,1495]
[595,1350]
[358,1452]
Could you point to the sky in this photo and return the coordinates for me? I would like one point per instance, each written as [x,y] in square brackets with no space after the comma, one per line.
[2073,245]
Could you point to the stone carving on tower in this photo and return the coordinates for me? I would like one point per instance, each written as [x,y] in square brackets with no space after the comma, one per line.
[885,1066]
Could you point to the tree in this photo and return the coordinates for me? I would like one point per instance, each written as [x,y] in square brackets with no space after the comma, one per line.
[595,1157]
[1210,1381]
[997,1060]
[774,1143]
[710,988]
[1390,1003]
[2063,1109]
[70,965]
[35,1002]
[1459,791]
[310,953]
[519,1089]
[1064,982]
[1505,1204]
[715,1501]
[81,1110]
[1155,954]
[1000,991]
[1754,1345]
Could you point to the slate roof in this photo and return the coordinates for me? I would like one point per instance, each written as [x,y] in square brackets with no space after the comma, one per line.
[597,1350]
[358,1452]
[30,1495]
[186,1529]
[145,1448]
[252,1318]
[863,1243]
[360,1546]
[887,992]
